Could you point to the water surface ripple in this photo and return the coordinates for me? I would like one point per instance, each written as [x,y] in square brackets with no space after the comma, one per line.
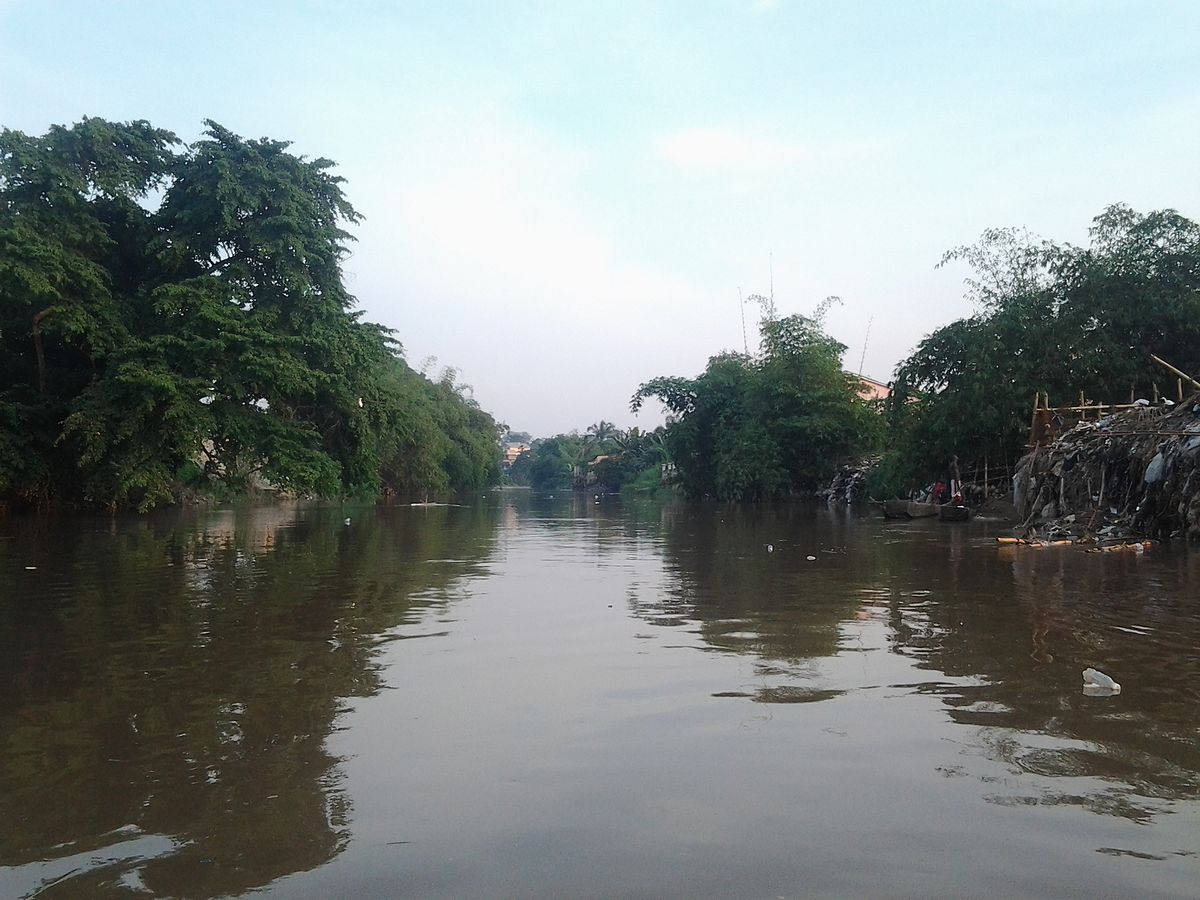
[547,697]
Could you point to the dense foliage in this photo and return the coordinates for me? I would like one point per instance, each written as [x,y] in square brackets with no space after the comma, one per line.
[1053,318]
[172,312]
[771,425]
[603,457]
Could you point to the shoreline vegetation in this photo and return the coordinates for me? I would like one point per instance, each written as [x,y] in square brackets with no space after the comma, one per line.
[1082,325]
[174,323]
[173,319]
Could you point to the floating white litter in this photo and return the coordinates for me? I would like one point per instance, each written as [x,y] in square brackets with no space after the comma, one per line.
[812,559]
[770,548]
[1096,682]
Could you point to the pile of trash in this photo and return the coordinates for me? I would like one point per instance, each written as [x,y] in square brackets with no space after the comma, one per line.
[1135,472]
[849,485]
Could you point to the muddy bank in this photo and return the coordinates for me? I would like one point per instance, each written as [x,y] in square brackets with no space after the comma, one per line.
[1132,473]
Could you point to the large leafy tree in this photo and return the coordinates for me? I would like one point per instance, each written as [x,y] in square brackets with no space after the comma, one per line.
[1132,292]
[1052,318]
[770,425]
[74,241]
[167,307]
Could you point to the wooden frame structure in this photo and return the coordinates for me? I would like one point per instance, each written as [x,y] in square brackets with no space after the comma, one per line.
[1049,422]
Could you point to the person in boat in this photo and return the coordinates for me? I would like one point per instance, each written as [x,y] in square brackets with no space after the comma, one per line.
[954,491]
[939,492]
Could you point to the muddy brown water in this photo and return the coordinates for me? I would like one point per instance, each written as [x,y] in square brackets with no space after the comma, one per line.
[552,697]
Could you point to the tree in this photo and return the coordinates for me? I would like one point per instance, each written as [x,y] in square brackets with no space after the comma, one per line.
[602,431]
[771,425]
[1052,318]
[212,333]
[73,238]
[553,462]
[1131,293]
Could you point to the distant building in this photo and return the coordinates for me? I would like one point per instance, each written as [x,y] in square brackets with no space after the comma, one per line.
[512,452]
[870,389]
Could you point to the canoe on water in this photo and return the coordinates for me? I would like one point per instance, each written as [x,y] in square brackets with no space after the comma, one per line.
[954,512]
[908,509]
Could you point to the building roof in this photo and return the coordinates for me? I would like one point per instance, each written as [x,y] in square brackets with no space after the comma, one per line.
[870,389]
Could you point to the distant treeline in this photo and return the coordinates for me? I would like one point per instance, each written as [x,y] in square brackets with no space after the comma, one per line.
[772,424]
[603,458]
[174,316]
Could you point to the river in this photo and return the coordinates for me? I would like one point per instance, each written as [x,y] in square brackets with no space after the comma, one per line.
[558,697]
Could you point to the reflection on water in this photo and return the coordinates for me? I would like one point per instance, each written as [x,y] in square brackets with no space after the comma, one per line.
[552,696]
[172,683]
[1005,632]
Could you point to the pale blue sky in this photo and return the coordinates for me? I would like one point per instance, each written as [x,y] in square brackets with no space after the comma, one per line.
[562,200]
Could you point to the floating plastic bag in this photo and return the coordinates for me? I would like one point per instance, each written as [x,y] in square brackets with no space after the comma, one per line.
[1157,470]
[1097,684]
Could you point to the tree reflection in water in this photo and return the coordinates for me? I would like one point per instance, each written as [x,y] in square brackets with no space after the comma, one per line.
[171,683]
[1003,633]
[175,683]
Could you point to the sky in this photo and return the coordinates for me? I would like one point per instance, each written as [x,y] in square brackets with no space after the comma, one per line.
[563,200]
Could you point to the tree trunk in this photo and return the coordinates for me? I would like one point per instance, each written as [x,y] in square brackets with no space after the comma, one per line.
[38,351]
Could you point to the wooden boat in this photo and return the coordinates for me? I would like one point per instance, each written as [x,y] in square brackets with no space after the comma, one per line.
[908,509]
[954,512]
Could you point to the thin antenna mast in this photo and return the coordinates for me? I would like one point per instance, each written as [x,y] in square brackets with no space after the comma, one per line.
[742,308]
[771,270]
[866,339]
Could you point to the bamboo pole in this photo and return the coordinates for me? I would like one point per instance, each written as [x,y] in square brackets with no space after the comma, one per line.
[1094,407]
[1174,371]
[1143,433]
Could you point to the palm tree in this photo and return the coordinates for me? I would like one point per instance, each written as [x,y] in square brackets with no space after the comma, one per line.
[627,440]
[602,431]
[658,445]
